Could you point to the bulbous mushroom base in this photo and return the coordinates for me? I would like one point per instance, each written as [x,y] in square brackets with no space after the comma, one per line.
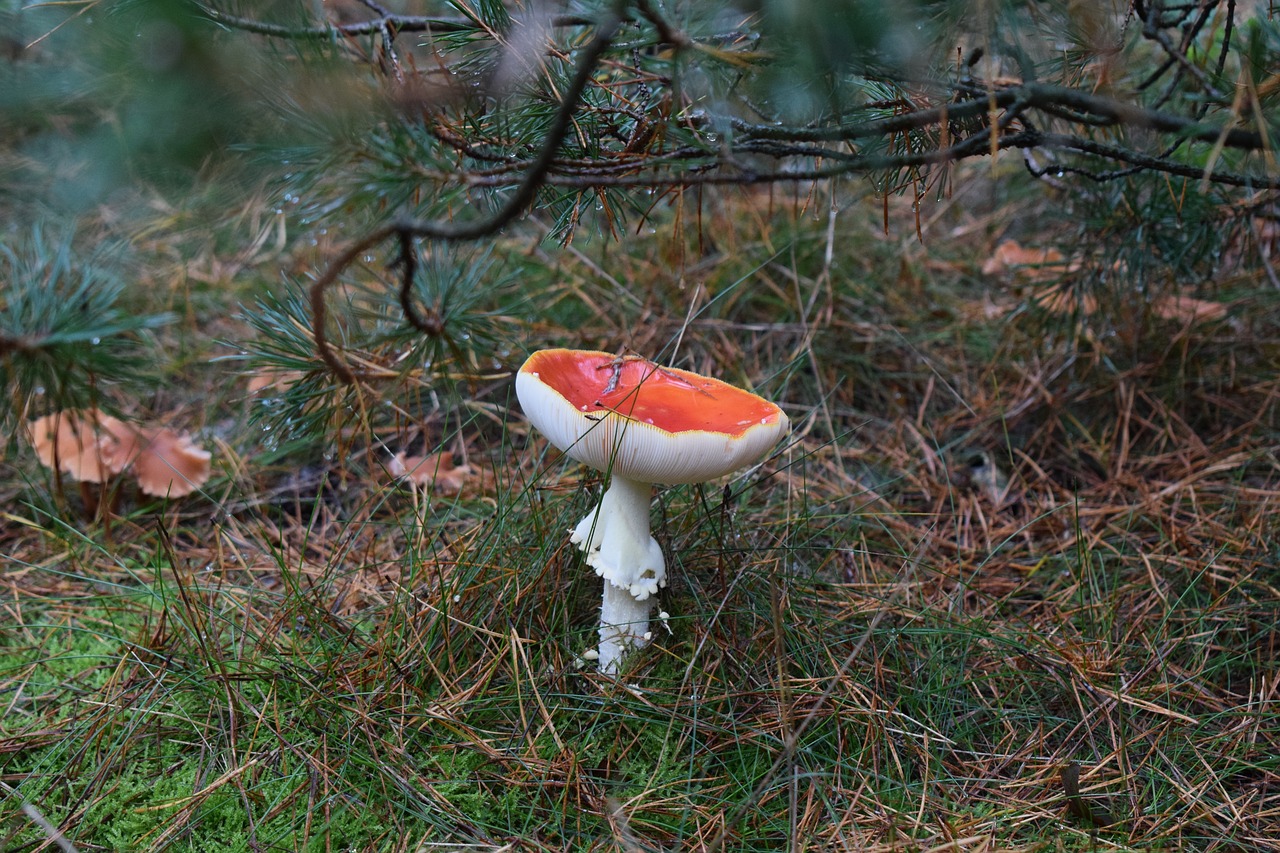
[615,538]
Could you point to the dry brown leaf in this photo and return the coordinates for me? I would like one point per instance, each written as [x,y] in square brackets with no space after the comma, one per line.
[1187,309]
[170,465]
[366,586]
[1027,264]
[1091,810]
[435,472]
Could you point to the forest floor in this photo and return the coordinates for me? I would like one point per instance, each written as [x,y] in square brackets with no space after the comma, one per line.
[1011,582]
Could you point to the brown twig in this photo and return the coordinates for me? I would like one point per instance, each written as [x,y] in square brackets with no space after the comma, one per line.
[20,343]
[1104,111]
[318,308]
[431,324]
[516,203]
[385,21]
[666,32]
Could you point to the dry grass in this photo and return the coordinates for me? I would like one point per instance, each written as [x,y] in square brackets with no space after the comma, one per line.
[1011,583]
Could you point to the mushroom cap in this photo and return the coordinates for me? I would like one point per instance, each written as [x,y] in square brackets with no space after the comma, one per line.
[91,447]
[82,443]
[643,422]
[169,465]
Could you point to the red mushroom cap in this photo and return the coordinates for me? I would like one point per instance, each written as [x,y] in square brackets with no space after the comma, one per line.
[645,422]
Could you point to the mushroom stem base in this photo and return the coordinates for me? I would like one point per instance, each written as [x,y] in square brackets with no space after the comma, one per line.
[624,625]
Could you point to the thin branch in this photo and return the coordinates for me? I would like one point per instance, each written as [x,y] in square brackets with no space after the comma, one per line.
[1152,31]
[528,187]
[715,171]
[518,201]
[21,343]
[1121,154]
[319,310]
[1105,111]
[666,32]
[396,23]
[388,33]
[1188,36]
[432,324]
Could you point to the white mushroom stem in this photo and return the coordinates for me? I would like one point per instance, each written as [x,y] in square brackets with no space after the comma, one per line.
[615,538]
[624,622]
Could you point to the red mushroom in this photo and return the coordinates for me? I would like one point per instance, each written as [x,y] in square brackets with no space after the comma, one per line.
[642,424]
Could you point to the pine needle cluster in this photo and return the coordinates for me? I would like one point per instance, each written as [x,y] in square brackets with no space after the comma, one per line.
[67,336]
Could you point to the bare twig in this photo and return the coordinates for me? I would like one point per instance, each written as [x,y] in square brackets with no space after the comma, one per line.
[1120,154]
[20,343]
[666,32]
[385,21]
[1152,30]
[430,324]
[318,309]
[515,204]
[1102,110]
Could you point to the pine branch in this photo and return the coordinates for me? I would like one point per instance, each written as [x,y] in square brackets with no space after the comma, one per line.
[63,333]
[1102,111]
[384,22]
[514,206]
[936,122]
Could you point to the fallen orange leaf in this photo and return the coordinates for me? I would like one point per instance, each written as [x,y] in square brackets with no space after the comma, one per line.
[1027,264]
[435,472]
[272,379]
[1187,309]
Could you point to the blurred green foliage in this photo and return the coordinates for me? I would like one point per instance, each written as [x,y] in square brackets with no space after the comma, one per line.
[67,334]
[118,94]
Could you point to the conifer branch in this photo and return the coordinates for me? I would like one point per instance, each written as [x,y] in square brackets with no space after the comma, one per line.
[384,22]
[640,135]
[514,206]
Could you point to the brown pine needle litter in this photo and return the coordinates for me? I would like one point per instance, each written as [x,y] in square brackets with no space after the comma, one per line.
[1009,584]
